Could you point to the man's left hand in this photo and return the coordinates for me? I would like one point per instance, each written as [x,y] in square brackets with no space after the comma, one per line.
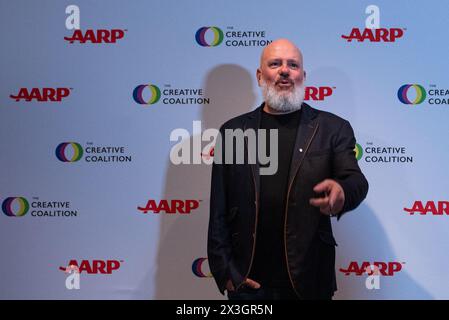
[334,199]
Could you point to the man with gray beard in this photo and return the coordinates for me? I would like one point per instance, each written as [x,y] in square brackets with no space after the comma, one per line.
[270,236]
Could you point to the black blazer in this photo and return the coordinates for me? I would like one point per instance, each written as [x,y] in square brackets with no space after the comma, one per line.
[324,148]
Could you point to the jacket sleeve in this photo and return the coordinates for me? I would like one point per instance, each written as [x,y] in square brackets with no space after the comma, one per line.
[346,169]
[218,241]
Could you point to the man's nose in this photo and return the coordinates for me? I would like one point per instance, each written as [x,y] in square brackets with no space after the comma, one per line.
[284,71]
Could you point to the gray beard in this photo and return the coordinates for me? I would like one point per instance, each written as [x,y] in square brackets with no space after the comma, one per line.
[283,103]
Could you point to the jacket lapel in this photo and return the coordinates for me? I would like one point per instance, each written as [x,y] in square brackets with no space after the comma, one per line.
[308,126]
[307,129]
[253,122]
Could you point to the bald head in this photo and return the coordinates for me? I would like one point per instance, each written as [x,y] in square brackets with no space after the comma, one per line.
[281,47]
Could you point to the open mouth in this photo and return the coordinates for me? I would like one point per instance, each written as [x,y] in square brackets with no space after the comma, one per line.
[284,83]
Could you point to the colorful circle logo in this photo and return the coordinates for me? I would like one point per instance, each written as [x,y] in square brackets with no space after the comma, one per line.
[7,206]
[404,90]
[197,267]
[200,36]
[138,94]
[358,151]
[61,151]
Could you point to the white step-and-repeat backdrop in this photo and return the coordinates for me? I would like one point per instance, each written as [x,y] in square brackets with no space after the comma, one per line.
[95,94]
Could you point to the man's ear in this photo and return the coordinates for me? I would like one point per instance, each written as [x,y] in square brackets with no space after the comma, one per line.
[258,76]
[305,73]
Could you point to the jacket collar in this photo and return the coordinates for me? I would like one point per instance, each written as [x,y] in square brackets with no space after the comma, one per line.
[308,115]
[307,128]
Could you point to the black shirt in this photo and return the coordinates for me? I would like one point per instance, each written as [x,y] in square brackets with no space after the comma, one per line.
[270,265]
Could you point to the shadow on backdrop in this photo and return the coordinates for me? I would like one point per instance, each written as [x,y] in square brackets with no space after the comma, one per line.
[183,237]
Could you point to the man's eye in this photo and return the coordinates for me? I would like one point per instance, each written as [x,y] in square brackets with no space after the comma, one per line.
[274,64]
[294,65]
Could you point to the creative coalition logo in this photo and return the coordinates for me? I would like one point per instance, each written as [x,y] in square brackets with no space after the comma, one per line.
[231,37]
[201,269]
[94,266]
[373,32]
[19,206]
[384,268]
[170,206]
[200,37]
[18,210]
[66,156]
[73,152]
[436,208]
[358,151]
[89,35]
[41,94]
[371,153]
[147,94]
[414,94]
[154,94]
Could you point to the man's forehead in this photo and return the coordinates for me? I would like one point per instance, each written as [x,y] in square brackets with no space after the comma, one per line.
[284,51]
[283,57]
